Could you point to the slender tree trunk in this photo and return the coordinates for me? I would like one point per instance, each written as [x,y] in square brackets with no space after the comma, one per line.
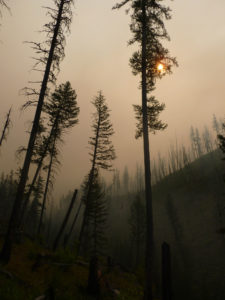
[148,189]
[46,187]
[50,221]
[6,250]
[64,221]
[26,200]
[7,122]
[90,181]
[72,226]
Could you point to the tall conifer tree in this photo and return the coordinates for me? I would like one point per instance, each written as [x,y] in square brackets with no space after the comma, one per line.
[52,52]
[63,114]
[148,30]
[102,152]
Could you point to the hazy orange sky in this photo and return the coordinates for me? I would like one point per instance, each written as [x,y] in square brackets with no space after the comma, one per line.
[97,58]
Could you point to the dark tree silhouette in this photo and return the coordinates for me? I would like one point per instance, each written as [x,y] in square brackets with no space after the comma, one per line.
[215,124]
[102,151]
[139,179]
[148,30]
[52,53]
[198,142]
[221,138]
[178,232]
[68,236]
[154,108]
[193,142]
[207,140]
[126,180]
[116,181]
[63,112]
[57,239]
[137,221]
[41,152]
[35,207]
[6,127]
[8,185]
[97,216]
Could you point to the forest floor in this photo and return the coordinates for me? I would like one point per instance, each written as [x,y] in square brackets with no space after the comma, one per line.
[34,271]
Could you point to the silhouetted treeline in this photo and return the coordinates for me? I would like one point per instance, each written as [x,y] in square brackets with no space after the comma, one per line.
[189,214]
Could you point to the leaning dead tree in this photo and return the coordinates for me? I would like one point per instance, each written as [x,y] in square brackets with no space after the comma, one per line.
[57,239]
[6,127]
[50,53]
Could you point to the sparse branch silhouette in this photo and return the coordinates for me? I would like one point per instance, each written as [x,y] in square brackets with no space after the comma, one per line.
[102,151]
[6,127]
[147,26]
[61,18]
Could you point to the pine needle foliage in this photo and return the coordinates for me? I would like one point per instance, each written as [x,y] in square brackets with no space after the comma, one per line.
[155,31]
[154,108]
[62,106]
[41,49]
[49,56]
[63,114]
[155,54]
[102,150]
[148,29]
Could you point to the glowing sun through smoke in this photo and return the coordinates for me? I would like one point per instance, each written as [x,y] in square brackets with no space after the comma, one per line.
[160,67]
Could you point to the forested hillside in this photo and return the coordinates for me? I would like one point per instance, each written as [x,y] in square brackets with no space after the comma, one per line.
[189,214]
[102,193]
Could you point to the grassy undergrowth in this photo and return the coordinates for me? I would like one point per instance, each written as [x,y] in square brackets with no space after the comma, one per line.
[33,270]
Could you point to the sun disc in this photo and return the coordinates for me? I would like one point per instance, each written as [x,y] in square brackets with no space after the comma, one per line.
[160,67]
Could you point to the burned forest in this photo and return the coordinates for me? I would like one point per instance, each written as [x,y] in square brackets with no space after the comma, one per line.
[112,150]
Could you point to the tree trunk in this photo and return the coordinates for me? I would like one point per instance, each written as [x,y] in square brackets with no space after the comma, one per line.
[90,181]
[7,122]
[65,221]
[148,189]
[46,187]
[50,221]
[26,200]
[6,249]
[67,238]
